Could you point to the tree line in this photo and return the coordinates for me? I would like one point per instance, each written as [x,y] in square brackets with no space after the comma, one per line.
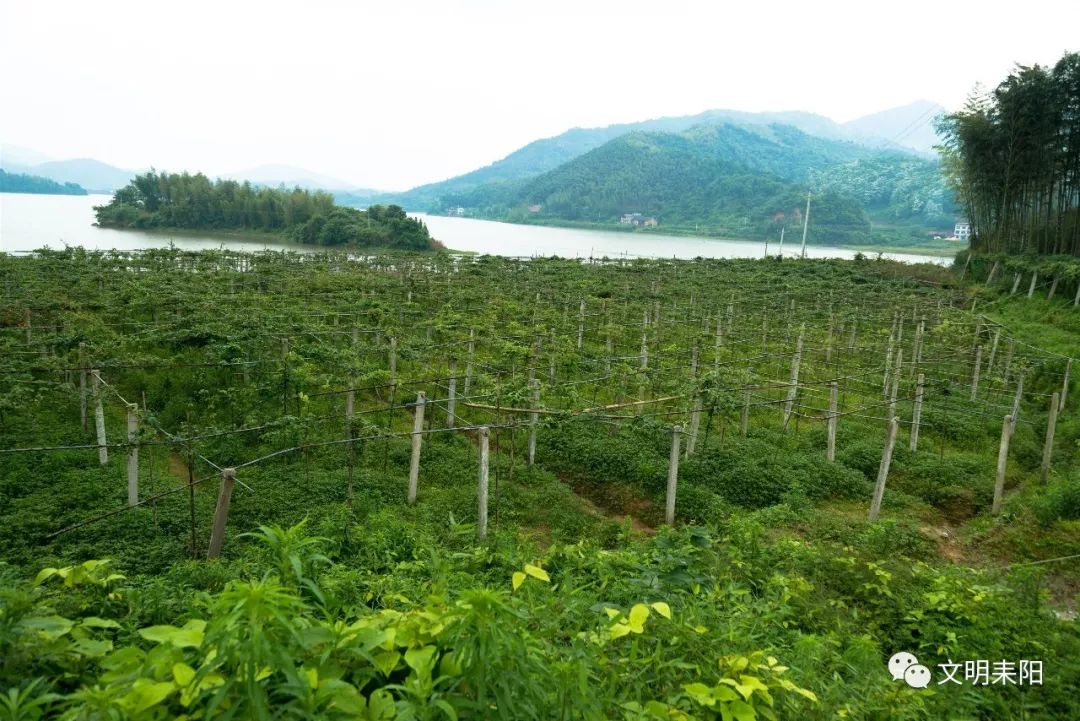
[183,200]
[1013,156]
[23,183]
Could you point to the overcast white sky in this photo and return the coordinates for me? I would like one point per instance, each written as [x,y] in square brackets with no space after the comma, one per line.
[393,94]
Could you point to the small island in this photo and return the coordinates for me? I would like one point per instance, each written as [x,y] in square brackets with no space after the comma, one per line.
[182,201]
[35,184]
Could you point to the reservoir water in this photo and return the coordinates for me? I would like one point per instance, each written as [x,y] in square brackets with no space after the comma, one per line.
[29,222]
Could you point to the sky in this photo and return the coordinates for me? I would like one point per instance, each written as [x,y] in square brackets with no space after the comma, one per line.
[390,95]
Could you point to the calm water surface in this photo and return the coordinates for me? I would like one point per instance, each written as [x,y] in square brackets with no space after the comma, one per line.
[29,222]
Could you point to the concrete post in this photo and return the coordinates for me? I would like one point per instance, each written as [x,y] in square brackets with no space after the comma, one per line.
[1002,463]
[883,469]
[1048,444]
[133,454]
[417,440]
[672,477]
[221,513]
[830,450]
[482,485]
[99,419]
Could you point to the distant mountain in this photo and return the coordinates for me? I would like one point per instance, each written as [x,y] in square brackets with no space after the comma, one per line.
[94,175]
[273,175]
[910,126]
[547,154]
[727,178]
[18,156]
[23,183]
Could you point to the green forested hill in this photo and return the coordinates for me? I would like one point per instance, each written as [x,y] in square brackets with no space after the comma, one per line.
[726,178]
[182,200]
[22,183]
[894,187]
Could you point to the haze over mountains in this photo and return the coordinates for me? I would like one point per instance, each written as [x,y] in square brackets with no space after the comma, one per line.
[908,127]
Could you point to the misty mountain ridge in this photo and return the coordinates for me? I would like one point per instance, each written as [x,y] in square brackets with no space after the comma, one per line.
[907,128]
[727,178]
[886,130]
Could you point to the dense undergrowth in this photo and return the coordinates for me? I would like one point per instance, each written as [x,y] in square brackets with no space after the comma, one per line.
[772,597]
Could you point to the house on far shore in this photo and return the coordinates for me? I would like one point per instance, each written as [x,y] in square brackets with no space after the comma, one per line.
[535,208]
[962,231]
[637,219]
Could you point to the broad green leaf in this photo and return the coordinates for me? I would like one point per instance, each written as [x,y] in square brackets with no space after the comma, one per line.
[95,622]
[146,693]
[50,627]
[701,693]
[663,609]
[93,648]
[447,709]
[387,661]
[421,660]
[742,711]
[45,574]
[183,674]
[179,637]
[537,573]
[637,617]
[381,705]
[312,676]
[517,579]
[619,630]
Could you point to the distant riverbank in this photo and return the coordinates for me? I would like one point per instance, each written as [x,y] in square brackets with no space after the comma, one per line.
[937,249]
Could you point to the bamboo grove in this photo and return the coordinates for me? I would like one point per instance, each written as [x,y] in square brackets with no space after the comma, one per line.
[1013,158]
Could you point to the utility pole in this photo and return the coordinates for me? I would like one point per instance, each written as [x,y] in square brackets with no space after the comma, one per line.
[781,253]
[805,223]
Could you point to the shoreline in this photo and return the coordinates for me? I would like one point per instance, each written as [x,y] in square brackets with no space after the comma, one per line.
[936,251]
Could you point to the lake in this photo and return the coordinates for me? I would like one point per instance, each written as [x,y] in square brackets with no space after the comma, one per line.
[29,222]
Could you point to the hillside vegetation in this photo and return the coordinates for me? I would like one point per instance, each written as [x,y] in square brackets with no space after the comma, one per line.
[327,380]
[729,179]
[162,200]
[23,183]
[1013,156]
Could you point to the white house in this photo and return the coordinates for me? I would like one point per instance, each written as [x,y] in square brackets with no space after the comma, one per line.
[962,231]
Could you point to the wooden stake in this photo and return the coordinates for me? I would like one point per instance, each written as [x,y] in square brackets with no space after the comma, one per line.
[916,415]
[133,454]
[417,439]
[883,469]
[672,477]
[1048,444]
[830,449]
[482,486]
[221,513]
[1016,283]
[1002,462]
[1031,288]
[99,419]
